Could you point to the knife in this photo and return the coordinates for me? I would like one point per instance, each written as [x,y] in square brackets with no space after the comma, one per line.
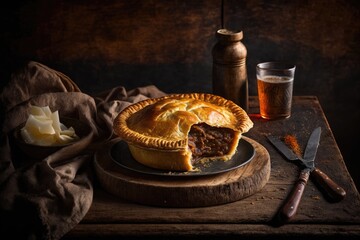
[331,188]
[334,191]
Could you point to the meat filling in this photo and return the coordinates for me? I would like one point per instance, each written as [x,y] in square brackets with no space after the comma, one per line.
[207,141]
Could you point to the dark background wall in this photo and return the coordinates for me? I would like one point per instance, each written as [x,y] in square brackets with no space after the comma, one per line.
[103,44]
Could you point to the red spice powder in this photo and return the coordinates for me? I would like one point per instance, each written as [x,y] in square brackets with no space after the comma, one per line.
[291,141]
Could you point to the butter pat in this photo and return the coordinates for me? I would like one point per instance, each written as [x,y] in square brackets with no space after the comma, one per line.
[44,128]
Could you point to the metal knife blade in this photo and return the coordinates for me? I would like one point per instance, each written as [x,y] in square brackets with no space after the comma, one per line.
[282,148]
[311,147]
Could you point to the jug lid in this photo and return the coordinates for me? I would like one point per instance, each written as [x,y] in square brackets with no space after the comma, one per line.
[229,35]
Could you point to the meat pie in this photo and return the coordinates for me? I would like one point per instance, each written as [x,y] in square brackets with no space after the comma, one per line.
[173,132]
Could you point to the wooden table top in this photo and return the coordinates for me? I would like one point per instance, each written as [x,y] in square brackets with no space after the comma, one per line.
[110,216]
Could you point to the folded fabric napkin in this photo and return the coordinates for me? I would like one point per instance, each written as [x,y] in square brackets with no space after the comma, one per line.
[47,198]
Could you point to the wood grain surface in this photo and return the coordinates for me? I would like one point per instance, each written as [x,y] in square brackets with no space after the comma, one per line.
[191,191]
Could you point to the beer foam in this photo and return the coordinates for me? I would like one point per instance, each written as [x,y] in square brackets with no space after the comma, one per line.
[275,79]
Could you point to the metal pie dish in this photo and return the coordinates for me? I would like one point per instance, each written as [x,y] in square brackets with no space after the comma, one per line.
[121,155]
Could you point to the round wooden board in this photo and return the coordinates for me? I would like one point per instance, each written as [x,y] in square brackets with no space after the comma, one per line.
[194,191]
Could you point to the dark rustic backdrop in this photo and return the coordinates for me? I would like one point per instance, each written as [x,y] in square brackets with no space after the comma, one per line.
[102,44]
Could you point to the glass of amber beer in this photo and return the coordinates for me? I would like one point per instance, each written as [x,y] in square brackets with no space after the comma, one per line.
[275,82]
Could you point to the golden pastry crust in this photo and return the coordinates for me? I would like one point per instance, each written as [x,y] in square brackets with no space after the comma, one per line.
[162,125]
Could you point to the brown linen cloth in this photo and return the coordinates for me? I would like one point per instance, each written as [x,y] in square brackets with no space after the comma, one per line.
[45,199]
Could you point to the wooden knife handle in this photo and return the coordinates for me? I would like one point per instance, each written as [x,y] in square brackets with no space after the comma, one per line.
[291,205]
[333,190]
